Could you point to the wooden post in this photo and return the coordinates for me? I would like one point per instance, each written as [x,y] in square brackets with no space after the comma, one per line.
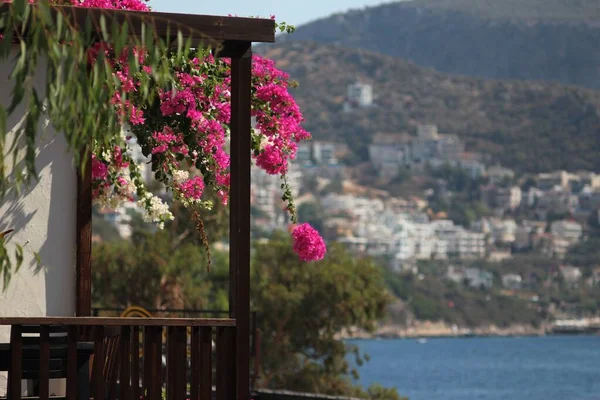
[83,241]
[239,223]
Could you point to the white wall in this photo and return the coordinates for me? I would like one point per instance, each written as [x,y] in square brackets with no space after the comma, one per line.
[43,217]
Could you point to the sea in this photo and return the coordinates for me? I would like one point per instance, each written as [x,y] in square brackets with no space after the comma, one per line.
[508,368]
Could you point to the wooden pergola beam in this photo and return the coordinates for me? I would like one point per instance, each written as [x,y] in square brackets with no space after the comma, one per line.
[239,208]
[196,27]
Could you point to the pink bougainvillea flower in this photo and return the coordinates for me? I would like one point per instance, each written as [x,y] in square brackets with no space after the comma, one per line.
[308,244]
[99,169]
[192,188]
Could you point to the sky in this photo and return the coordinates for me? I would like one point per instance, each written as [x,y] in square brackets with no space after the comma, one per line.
[293,12]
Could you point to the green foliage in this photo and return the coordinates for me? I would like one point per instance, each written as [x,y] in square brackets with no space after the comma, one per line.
[437,300]
[585,254]
[507,39]
[528,126]
[302,306]
[76,97]
[559,10]
[149,272]
[312,213]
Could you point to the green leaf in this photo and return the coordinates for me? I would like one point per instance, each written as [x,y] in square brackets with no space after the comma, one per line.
[19,8]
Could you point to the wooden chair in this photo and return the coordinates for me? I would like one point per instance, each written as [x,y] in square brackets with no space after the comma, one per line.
[31,342]
[110,366]
[50,344]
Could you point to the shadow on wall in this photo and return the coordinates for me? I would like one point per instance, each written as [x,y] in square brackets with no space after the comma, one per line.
[43,216]
[58,252]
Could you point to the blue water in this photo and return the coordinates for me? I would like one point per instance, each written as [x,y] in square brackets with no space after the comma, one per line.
[541,368]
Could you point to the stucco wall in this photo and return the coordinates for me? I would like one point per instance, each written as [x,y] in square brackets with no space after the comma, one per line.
[44,219]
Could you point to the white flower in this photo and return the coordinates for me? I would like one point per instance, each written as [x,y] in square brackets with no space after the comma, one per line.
[180,176]
[106,155]
[155,210]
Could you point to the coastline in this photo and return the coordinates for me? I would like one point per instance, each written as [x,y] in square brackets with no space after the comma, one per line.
[429,329]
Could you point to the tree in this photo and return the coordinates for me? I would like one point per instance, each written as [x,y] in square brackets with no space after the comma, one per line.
[150,271]
[300,306]
[300,309]
[312,213]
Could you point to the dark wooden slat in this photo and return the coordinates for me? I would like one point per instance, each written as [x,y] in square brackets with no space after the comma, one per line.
[226,367]
[14,374]
[171,363]
[176,363]
[72,364]
[195,373]
[195,364]
[112,362]
[44,362]
[239,228]
[125,368]
[104,321]
[205,357]
[135,363]
[257,345]
[204,26]
[181,377]
[153,362]
[83,240]
[147,362]
[98,367]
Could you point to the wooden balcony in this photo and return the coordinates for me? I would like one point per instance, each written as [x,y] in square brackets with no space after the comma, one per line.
[129,358]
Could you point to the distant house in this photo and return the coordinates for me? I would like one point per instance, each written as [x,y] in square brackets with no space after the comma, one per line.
[553,180]
[570,231]
[388,152]
[525,232]
[479,279]
[571,275]
[498,174]
[512,281]
[324,153]
[460,242]
[504,199]
[556,201]
[473,277]
[360,95]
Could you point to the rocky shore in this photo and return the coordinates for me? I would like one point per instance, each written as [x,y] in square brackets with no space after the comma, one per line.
[430,329]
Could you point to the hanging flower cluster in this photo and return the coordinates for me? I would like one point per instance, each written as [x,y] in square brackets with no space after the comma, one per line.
[186,132]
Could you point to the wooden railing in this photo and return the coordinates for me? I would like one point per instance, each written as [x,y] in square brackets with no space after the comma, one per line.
[127,360]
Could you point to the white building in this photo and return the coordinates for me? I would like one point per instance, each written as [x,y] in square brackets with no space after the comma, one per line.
[450,147]
[460,242]
[525,232]
[324,153]
[512,281]
[554,180]
[570,231]
[388,152]
[571,275]
[360,94]
[499,230]
[266,194]
[498,174]
[474,168]
[304,154]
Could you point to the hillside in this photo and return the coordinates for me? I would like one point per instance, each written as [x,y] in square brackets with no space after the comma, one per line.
[532,126]
[556,40]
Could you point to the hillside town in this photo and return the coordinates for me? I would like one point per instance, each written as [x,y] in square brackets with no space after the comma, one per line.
[544,213]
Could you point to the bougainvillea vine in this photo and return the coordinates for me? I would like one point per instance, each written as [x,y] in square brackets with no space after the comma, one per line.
[186,132]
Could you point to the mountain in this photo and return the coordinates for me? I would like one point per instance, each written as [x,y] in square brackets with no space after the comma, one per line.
[530,126]
[557,40]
